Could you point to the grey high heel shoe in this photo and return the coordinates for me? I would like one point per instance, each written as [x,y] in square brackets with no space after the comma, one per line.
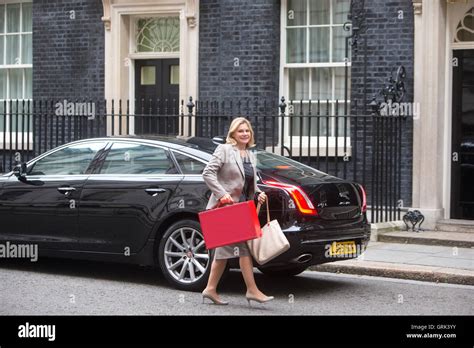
[265,300]
[213,299]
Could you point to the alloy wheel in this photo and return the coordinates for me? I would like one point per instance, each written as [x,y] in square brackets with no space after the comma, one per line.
[185,255]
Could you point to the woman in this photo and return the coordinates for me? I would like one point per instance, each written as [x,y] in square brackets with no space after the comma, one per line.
[231,176]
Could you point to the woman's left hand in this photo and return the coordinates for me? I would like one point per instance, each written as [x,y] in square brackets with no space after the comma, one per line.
[262,197]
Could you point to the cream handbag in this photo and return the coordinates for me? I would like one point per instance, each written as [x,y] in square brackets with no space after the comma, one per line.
[272,243]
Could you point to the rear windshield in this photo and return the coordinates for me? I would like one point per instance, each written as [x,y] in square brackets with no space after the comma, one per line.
[203,144]
[268,160]
[265,159]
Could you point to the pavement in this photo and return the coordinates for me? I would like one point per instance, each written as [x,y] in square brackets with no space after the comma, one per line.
[433,256]
[73,287]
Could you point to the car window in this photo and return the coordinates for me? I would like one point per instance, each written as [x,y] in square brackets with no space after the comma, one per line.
[127,158]
[72,160]
[189,165]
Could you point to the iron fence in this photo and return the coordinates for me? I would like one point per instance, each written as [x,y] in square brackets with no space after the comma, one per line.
[322,134]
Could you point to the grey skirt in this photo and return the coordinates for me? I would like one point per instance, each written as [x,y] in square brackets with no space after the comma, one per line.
[232,251]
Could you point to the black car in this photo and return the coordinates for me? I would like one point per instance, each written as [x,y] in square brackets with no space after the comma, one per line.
[137,199]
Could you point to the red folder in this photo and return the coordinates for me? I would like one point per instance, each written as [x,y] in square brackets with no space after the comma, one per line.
[230,224]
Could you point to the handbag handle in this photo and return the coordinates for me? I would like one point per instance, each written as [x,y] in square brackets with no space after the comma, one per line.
[259,205]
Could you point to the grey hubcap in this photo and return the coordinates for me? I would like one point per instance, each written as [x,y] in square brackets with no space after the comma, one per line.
[186,257]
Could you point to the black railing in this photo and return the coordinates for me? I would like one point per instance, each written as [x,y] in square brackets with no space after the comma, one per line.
[363,148]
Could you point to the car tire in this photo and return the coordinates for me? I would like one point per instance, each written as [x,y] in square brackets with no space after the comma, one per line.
[186,264]
[283,272]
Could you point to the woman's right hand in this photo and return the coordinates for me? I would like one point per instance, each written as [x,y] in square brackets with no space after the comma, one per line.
[226,199]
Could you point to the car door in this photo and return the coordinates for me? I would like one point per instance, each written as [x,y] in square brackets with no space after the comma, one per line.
[43,206]
[121,205]
[193,189]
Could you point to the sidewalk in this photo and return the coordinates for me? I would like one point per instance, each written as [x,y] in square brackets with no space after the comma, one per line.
[433,263]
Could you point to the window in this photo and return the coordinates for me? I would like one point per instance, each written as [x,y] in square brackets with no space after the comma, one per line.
[174,74]
[72,160]
[148,76]
[465,28]
[16,62]
[158,34]
[125,158]
[189,165]
[315,62]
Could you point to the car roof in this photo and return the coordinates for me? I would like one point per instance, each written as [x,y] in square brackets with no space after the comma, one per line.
[190,144]
[198,146]
[175,140]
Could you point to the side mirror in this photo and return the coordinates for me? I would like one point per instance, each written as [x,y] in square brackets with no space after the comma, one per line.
[20,171]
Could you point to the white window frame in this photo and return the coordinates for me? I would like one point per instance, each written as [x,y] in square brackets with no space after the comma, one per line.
[284,90]
[23,136]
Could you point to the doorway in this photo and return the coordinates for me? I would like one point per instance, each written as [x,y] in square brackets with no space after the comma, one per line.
[462,172]
[156,96]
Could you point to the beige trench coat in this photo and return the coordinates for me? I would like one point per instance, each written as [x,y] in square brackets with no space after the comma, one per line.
[225,174]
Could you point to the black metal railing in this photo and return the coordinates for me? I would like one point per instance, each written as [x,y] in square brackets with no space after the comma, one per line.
[362,148]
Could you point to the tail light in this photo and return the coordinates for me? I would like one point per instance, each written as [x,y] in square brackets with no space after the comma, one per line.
[364,199]
[298,195]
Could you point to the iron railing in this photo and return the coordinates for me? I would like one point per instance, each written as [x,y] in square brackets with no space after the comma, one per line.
[322,134]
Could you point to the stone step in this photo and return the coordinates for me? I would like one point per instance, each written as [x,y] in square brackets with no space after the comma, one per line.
[460,226]
[454,239]
[401,271]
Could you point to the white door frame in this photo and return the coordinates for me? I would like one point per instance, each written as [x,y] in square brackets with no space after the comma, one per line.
[119,17]
[455,13]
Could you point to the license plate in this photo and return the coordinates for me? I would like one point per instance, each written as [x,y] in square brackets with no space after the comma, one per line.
[342,248]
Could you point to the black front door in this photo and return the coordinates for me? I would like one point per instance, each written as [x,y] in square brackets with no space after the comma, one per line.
[462,176]
[157,96]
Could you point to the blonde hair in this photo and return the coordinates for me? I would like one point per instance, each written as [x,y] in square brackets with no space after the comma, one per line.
[236,122]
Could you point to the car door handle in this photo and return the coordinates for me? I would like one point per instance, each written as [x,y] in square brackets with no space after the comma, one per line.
[154,191]
[66,190]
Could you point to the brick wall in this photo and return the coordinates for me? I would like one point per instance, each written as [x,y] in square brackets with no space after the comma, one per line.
[68,54]
[390,40]
[68,57]
[68,64]
[248,30]
[239,58]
